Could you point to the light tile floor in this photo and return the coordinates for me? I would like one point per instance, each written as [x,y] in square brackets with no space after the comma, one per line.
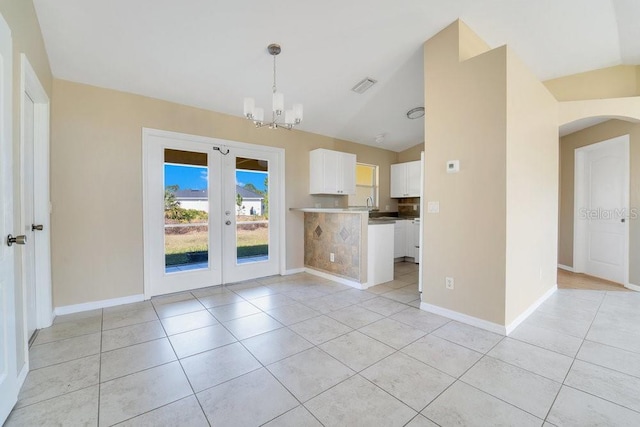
[303,351]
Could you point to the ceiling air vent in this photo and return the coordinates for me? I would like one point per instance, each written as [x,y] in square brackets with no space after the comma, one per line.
[363,85]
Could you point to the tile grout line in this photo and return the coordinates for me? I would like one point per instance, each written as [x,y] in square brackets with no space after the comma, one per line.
[602,398]
[459,379]
[183,372]
[575,357]
[100,365]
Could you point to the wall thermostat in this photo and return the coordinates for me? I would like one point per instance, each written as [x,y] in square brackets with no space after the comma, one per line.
[453,166]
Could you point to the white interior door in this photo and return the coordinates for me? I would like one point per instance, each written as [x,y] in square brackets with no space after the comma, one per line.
[602,209]
[8,369]
[212,212]
[251,229]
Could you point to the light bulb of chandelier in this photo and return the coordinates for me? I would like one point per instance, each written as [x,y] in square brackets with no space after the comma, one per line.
[249,107]
[258,114]
[289,117]
[297,113]
[278,103]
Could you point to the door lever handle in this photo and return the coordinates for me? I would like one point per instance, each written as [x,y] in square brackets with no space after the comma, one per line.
[18,240]
[38,227]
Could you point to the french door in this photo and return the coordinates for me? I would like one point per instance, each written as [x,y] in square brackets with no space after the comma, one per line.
[212,211]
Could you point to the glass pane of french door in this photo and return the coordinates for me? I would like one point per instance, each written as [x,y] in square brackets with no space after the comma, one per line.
[252,210]
[186,211]
[251,232]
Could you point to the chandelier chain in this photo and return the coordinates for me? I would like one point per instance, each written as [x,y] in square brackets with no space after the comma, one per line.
[274,74]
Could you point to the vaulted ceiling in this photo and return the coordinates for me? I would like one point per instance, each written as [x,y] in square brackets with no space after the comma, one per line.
[212,54]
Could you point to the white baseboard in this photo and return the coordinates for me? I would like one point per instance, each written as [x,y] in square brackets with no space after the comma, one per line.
[464,318]
[338,279]
[518,320]
[23,375]
[294,271]
[633,287]
[76,308]
[485,324]
[565,267]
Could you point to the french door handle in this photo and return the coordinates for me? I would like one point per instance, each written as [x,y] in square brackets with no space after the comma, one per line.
[35,227]
[227,222]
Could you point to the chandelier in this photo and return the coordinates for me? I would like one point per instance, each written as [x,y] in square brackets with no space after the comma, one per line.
[292,117]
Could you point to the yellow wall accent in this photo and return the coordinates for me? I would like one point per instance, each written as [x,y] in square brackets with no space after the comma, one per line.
[612,82]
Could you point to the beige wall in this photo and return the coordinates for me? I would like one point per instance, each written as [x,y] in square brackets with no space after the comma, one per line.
[532,189]
[411,154]
[96,183]
[27,39]
[568,145]
[612,82]
[465,121]
[486,110]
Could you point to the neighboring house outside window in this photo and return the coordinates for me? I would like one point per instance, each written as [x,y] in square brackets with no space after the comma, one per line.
[198,199]
[193,199]
[251,202]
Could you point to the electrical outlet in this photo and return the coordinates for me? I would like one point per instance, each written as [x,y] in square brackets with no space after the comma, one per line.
[448,282]
[332,257]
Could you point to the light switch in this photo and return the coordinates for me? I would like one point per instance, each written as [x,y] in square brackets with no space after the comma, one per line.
[453,166]
[433,207]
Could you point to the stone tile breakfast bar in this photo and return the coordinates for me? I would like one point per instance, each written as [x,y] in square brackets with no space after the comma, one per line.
[347,246]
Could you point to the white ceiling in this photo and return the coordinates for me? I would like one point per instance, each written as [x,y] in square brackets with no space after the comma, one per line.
[211,54]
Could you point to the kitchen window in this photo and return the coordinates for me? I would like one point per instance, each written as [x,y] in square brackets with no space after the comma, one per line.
[366,186]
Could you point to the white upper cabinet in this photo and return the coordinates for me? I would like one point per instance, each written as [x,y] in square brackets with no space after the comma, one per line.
[405,179]
[332,172]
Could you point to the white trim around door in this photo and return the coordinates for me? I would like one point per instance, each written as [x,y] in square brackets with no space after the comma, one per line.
[31,87]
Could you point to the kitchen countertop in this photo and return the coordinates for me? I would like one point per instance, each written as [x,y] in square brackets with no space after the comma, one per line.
[377,221]
[331,210]
[374,216]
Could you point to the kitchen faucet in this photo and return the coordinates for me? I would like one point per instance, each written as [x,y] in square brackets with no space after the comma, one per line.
[369,202]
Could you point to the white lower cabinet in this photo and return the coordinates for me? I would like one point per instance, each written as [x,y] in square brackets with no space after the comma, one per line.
[380,254]
[400,239]
[406,239]
[413,240]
